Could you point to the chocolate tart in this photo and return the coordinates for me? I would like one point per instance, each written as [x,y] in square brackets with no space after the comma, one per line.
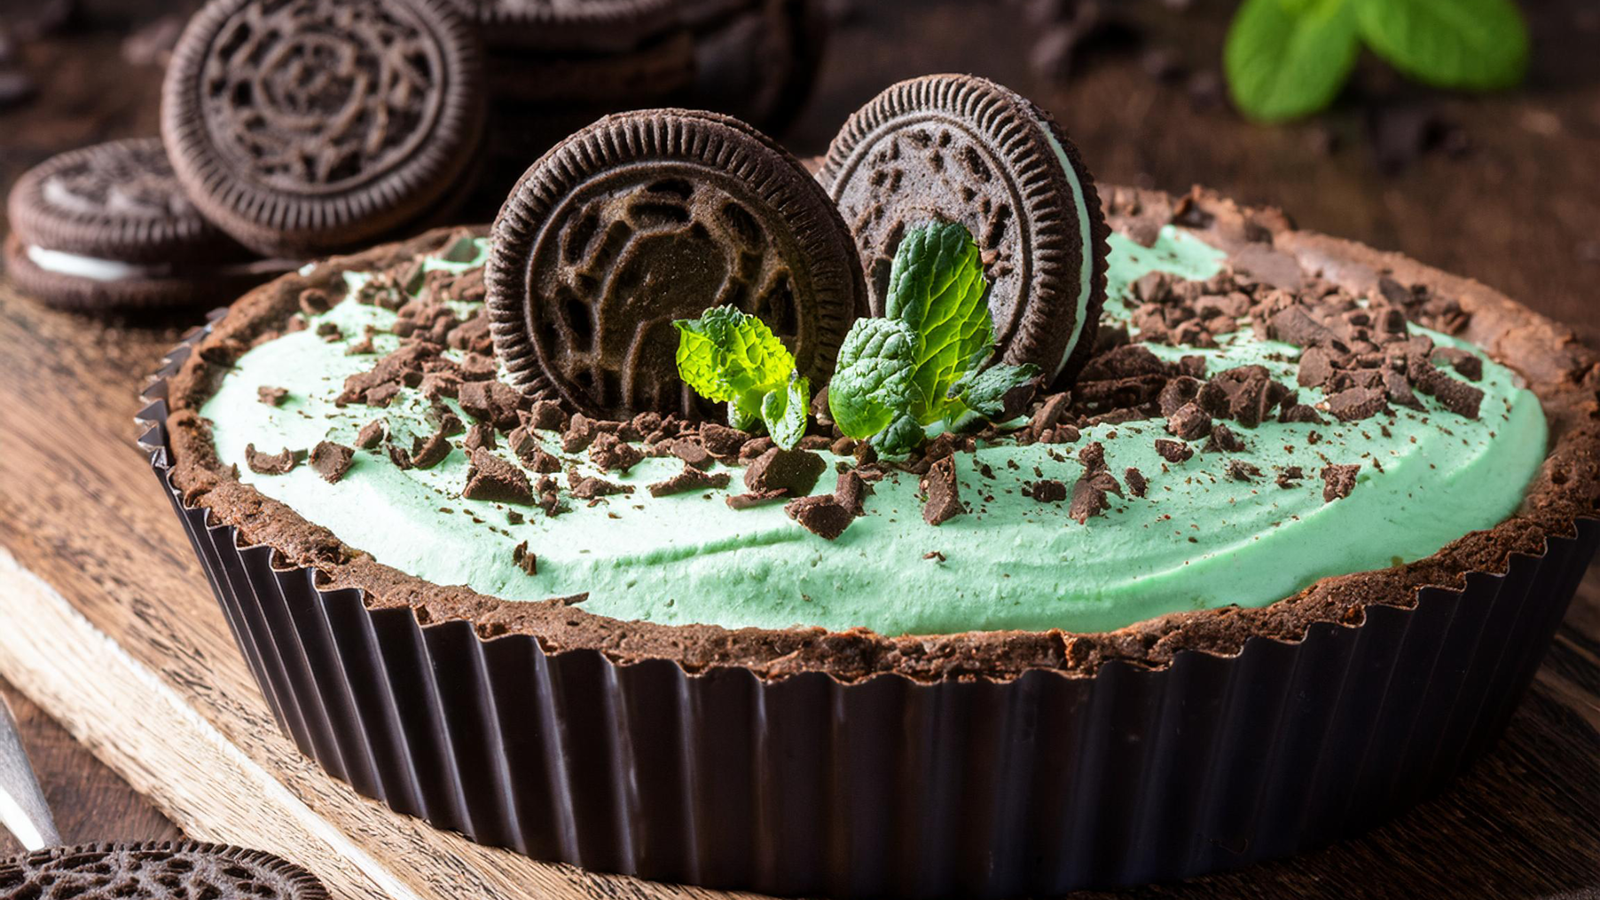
[848,763]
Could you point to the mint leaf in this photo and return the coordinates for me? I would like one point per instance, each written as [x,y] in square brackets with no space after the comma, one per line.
[1288,58]
[984,393]
[785,412]
[873,382]
[937,288]
[900,438]
[728,355]
[1474,44]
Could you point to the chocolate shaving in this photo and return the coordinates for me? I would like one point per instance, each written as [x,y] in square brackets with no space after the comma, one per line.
[272,464]
[690,479]
[754,498]
[331,460]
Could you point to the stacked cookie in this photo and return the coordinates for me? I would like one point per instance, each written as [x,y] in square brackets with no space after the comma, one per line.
[294,130]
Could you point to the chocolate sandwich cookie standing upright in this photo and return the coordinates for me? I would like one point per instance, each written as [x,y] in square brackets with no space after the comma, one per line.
[651,216]
[169,870]
[317,125]
[964,149]
[108,226]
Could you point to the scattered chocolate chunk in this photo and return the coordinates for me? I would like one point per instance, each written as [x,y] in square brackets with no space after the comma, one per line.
[1189,422]
[690,479]
[1177,392]
[371,434]
[1289,476]
[1192,366]
[1356,403]
[612,454]
[1223,440]
[822,515]
[851,491]
[795,471]
[754,448]
[442,417]
[1049,413]
[1173,451]
[272,396]
[1338,481]
[1457,396]
[866,455]
[1468,365]
[494,402]
[329,332]
[272,464]
[1245,394]
[1093,456]
[843,446]
[491,478]
[382,395]
[546,415]
[691,452]
[934,555]
[1090,495]
[815,442]
[525,559]
[944,501]
[580,433]
[429,452]
[480,435]
[1239,470]
[1316,367]
[331,460]
[1295,325]
[590,487]
[721,441]
[1398,390]
[754,498]
[1047,490]
[1137,483]
[1300,412]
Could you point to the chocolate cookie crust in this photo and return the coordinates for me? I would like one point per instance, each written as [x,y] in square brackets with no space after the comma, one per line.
[1563,373]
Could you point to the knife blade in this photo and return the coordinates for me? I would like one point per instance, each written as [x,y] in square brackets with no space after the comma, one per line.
[23,809]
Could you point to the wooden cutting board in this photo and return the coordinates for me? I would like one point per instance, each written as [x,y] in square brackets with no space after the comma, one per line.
[107,623]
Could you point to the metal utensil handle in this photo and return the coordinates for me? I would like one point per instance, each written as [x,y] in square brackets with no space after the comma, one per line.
[23,810]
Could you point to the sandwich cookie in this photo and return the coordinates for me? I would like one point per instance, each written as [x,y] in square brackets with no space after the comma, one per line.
[755,59]
[176,870]
[964,149]
[109,227]
[310,127]
[651,216]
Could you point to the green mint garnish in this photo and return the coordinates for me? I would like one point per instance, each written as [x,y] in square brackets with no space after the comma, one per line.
[1289,58]
[920,366]
[732,357]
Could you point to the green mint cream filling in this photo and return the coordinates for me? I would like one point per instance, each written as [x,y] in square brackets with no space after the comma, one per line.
[1196,539]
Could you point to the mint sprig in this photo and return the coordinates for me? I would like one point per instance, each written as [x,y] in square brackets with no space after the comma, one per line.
[920,368]
[1289,58]
[732,357]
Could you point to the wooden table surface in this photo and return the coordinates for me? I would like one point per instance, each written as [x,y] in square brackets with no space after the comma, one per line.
[1523,823]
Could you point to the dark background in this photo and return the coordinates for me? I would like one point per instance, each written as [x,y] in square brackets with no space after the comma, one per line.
[1503,187]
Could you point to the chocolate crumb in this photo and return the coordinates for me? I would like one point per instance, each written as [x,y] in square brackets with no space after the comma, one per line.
[944,501]
[1239,470]
[525,559]
[1289,476]
[1189,422]
[1338,481]
[1173,451]
[546,415]
[1137,483]
[822,515]
[691,451]
[613,455]
[934,554]
[491,478]
[690,479]
[425,454]
[480,435]
[754,498]
[1223,440]
[331,460]
[1089,495]
[1047,490]
[580,433]
[371,434]
[494,402]
[272,464]
[721,441]
[1356,403]
[272,396]
[592,488]
[851,490]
